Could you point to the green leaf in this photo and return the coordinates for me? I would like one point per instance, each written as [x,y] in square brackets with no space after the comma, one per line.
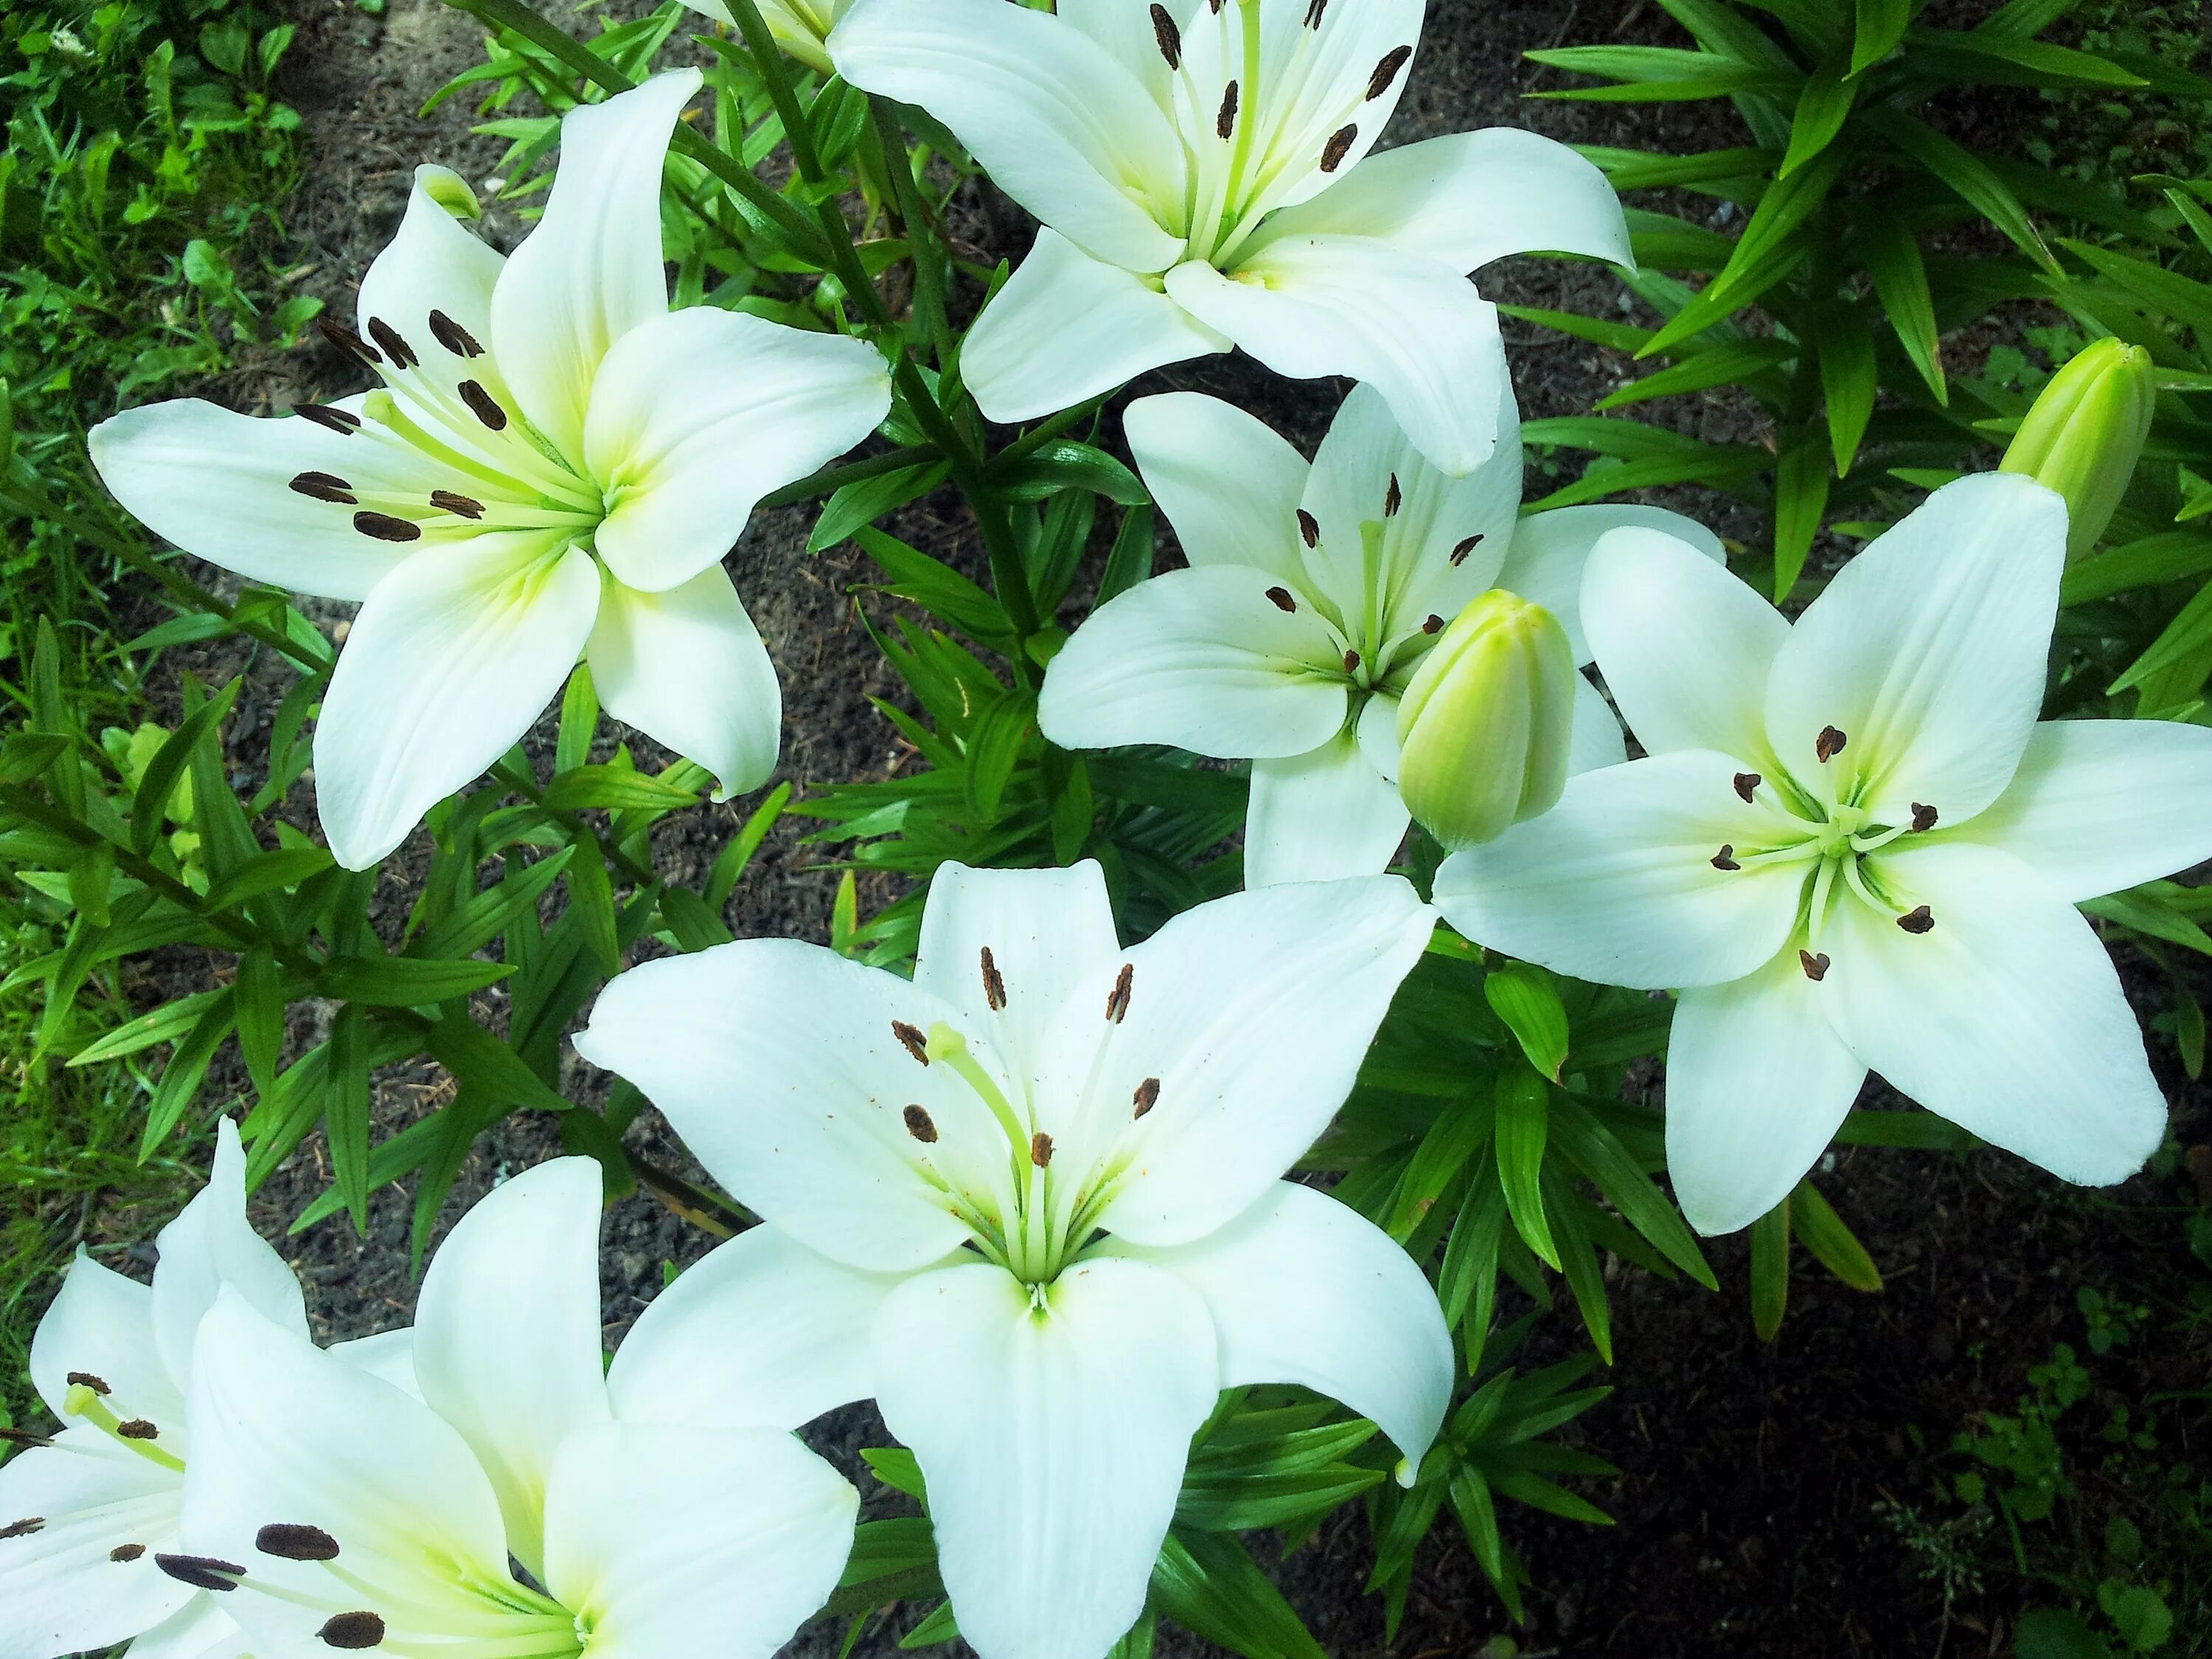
[1900,282]
[1524,1125]
[2056,1633]
[488,1068]
[2170,556]
[160,779]
[1208,1584]
[182,1075]
[165,1024]
[345,1112]
[730,863]
[1770,1271]
[1723,365]
[593,894]
[935,587]
[1822,109]
[2174,296]
[1849,380]
[1800,502]
[405,982]
[1879,29]
[1527,997]
[258,995]
[267,873]
[1597,1151]
[939,1628]
[993,745]
[615,788]
[1787,204]
[579,721]
[1455,1135]
[1964,172]
[1067,464]
[2187,633]
[860,504]
[491,913]
[1833,1245]
[1131,561]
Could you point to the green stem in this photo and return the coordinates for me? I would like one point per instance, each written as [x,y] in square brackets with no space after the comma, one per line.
[914,214]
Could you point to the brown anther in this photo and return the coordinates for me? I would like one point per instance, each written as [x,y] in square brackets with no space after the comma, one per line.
[331,420]
[1224,125]
[1924,818]
[1147,1094]
[1281,600]
[346,340]
[916,1044]
[24,1528]
[1394,500]
[296,1541]
[137,1429]
[1117,1003]
[467,507]
[994,982]
[324,486]
[1309,528]
[483,405]
[385,528]
[1745,783]
[451,336]
[353,1631]
[395,347]
[126,1553]
[1041,1150]
[1314,13]
[1168,36]
[1459,554]
[1432,624]
[1829,744]
[24,1438]
[1352,662]
[86,1380]
[1725,859]
[1339,146]
[921,1126]
[1920,920]
[202,1571]
[1386,72]
[1816,968]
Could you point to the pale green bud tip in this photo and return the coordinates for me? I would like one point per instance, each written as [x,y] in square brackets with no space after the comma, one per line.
[2086,432]
[449,191]
[1484,726]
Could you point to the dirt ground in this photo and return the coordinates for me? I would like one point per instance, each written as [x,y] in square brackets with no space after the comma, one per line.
[1750,1520]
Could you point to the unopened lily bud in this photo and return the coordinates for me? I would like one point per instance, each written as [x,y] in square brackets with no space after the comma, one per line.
[2086,432]
[801,28]
[1483,728]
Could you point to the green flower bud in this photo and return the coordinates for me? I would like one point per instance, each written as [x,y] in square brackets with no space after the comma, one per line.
[2086,434]
[1484,726]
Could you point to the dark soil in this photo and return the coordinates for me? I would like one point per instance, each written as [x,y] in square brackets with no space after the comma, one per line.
[1750,1518]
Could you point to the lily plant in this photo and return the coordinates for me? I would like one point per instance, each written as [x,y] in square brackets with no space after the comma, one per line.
[1031,1204]
[504,1513]
[1853,847]
[1203,175]
[801,28]
[1314,593]
[554,466]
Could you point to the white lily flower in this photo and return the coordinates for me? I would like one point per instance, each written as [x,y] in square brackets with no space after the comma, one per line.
[1202,173]
[83,1514]
[1854,848]
[1313,593]
[1030,1203]
[801,28]
[555,467]
[332,1510]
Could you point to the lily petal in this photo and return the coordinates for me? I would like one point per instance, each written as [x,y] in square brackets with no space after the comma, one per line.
[198,1630]
[763,1333]
[1315,306]
[592,269]
[212,1244]
[102,1324]
[1053,1440]
[65,1589]
[687,668]
[1303,1289]
[2101,805]
[2005,1015]
[1758,1082]
[696,415]
[446,666]
[1321,816]
[1698,681]
[1061,127]
[1928,652]
[431,287]
[665,1540]
[1617,884]
[1202,659]
[1068,327]
[1550,551]
[507,1334]
[1596,741]
[1225,481]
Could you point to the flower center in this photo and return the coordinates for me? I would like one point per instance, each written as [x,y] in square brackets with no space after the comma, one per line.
[86,1401]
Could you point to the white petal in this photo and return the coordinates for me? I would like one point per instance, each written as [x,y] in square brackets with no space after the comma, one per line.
[212,1244]
[1549,552]
[1225,481]
[1596,742]
[432,268]
[2099,805]
[1201,659]
[778,1065]
[198,1630]
[1305,1290]
[1470,198]
[1053,1441]
[285,1434]
[696,415]
[1322,815]
[218,484]
[1253,1013]
[1313,84]
[1928,652]
[694,1540]
[687,668]
[507,1334]
[1050,935]
[102,1324]
[1377,730]
[1617,885]
[389,1356]
[1060,126]
[1068,327]
[1757,1084]
[447,664]
[763,1333]
[592,269]
[1123,29]
[1686,648]
[1414,328]
[2005,1017]
[62,1590]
